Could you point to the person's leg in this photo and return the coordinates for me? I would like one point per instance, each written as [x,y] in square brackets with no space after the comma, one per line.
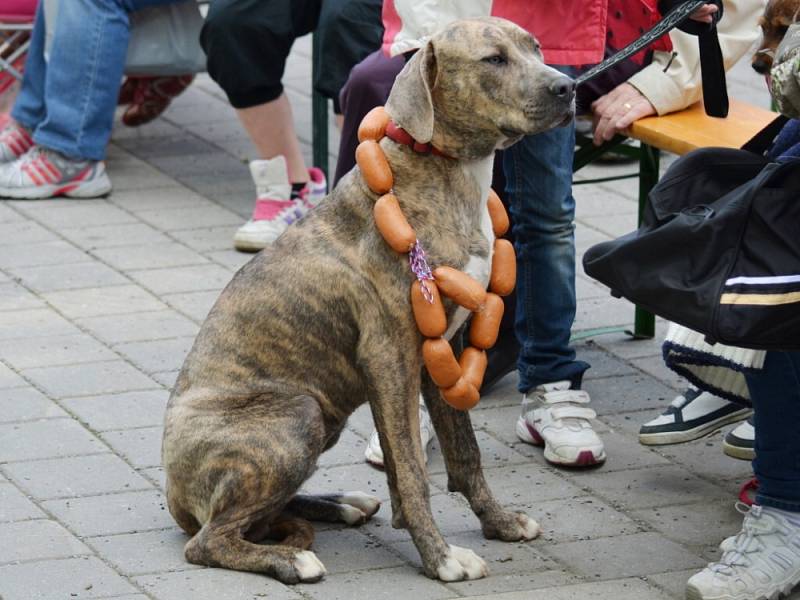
[347,32]
[247,42]
[84,71]
[367,86]
[554,413]
[79,94]
[776,404]
[29,108]
[764,559]
[539,184]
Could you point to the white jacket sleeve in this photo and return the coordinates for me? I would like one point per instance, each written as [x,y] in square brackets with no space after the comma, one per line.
[674,87]
[420,19]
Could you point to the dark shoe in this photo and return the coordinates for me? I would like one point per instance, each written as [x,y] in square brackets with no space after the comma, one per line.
[691,415]
[502,358]
[740,443]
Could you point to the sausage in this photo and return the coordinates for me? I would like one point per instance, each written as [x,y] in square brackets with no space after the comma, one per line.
[460,288]
[486,324]
[497,213]
[431,320]
[440,362]
[373,125]
[473,365]
[504,268]
[392,224]
[462,395]
[374,167]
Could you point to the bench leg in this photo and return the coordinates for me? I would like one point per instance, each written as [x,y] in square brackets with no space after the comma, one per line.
[319,118]
[644,325]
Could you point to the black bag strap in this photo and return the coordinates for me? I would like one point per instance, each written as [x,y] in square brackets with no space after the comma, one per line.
[762,141]
[712,67]
[676,14]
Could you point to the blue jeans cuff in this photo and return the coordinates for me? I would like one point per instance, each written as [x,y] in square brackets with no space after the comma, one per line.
[573,372]
[788,505]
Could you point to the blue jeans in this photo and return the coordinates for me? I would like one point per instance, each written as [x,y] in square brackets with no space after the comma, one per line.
[538,172]
[775,392]
[68,103]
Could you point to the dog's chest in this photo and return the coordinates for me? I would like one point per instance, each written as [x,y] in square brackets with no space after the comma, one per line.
[477,267]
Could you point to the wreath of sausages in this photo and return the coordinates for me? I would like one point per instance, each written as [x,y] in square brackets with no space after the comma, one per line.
[459,380]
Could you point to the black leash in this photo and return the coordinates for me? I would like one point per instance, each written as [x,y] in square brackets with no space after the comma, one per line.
[715,93]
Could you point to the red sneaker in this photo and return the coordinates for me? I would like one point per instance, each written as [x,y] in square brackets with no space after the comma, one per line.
[151,97]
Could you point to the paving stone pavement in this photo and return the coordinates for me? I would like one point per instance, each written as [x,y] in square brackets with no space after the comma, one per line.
[99,303]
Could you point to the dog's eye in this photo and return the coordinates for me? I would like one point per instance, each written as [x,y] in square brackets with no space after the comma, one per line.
[495,59]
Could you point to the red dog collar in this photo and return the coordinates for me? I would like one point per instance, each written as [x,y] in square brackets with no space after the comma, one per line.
[401,136]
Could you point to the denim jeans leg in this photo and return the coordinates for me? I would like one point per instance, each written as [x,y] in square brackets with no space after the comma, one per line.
[84,73]
[538,173]
[29,106]
[775,392]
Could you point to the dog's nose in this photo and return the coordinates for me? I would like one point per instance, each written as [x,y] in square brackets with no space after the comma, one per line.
[761,66]
[562,87]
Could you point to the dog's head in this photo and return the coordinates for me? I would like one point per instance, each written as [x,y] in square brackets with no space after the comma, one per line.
[477,85]
[777,17]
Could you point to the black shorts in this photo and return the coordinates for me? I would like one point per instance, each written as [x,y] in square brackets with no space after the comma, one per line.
[247,42]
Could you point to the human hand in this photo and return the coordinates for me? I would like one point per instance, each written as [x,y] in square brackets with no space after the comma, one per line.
[617,110]
[705,14]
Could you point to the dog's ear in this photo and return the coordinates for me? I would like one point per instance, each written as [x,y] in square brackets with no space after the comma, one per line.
[410,103]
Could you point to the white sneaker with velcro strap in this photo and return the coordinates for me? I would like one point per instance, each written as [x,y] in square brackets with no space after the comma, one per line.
[556,417]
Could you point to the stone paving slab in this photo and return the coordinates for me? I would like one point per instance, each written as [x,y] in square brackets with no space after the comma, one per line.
[99,303]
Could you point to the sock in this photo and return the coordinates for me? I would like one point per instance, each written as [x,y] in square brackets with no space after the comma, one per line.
[297,188]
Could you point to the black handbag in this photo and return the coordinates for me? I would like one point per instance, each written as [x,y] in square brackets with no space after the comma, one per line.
[718,250]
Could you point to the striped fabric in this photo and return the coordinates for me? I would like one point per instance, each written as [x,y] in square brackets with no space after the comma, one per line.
[762,291]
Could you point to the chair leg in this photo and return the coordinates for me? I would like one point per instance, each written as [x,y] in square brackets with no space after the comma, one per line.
[319,116]
[644,325]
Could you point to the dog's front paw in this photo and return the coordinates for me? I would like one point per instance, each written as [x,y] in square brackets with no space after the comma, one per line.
[308,567]
[461,563]
[357,508]
[511,527]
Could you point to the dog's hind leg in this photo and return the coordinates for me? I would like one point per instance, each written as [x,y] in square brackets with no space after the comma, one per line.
[225,546]
[247,472]
[353,508]
[464,474]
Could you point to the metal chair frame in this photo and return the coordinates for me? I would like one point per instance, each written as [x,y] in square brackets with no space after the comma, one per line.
[13,39]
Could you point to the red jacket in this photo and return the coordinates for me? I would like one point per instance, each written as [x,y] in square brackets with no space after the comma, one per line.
[570,32]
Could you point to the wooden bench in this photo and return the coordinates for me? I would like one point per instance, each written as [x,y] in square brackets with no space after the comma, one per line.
[679,133]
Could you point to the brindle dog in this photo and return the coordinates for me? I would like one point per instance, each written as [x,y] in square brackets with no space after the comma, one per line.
[321,322]
[778,15]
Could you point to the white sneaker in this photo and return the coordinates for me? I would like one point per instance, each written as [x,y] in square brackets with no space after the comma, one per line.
[557,417]
[43,173]
[762,562]
[689,416]
[15,141]
[276,206]
[374,453]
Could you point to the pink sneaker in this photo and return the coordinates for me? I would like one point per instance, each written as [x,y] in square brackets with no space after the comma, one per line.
[15,141]
[276,206]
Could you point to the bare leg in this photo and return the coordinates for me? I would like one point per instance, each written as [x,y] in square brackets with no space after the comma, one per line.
[271,128]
